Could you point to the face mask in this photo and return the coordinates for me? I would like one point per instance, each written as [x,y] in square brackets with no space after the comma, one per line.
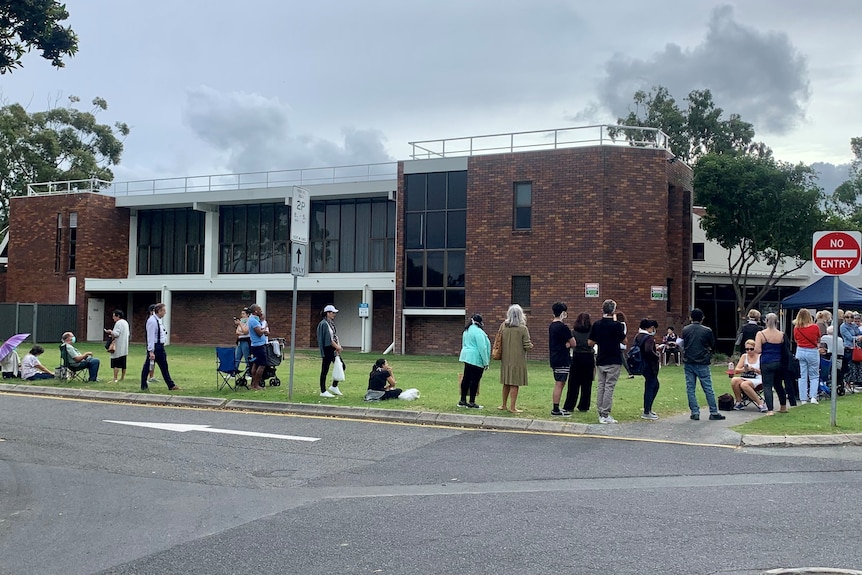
[564,315]
[74,339]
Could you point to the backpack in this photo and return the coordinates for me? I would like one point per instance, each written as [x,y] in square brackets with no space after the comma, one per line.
[635,358]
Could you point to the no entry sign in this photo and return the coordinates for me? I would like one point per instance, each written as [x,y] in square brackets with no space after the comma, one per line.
[836,253]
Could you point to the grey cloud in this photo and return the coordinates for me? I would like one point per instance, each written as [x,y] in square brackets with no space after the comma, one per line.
[759,75]
[830,176]
[252,133]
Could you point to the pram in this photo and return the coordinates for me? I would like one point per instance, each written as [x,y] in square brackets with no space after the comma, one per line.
[824,389]
[274,352]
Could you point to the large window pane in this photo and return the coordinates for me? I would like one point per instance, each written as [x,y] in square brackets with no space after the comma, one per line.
[413,231]
[455,298]
[457,190]
[436,191]
[414,298]
[363,237]
[435,230]
[415,268]
[347,235]
[414,192]
[456,229]
[455,269]
[434,266]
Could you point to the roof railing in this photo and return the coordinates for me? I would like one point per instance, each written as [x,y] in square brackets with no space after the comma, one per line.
[600,134]
[67,187]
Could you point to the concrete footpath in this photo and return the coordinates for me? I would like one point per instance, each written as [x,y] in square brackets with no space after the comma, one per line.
[674,429]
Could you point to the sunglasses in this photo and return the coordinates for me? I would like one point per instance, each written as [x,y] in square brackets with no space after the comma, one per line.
[749,349]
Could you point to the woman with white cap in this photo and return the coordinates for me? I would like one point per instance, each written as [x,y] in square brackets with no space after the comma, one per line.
[327,341]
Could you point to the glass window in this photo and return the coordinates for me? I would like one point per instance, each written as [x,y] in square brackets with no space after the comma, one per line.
[435,230]
[436,191]
[457,190]
[521,291]
[523,205]
[456,229]
[170,242]
[73,240]
[414,192]
[435,237]
[697,251]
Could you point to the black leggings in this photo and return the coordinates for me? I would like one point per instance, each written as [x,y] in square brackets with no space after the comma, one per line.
[772,378]
[328,359]
[470,381]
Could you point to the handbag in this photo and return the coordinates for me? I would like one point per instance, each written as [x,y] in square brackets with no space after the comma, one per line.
[497,348]
[113,347]
[338,369]
[109,343]
[857,354]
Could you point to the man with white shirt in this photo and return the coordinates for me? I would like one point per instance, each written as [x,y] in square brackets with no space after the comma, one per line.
[156,336]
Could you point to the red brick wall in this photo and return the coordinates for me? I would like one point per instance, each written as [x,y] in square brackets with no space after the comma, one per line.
[604,215]
[102,247]
[433,335]
[3,277]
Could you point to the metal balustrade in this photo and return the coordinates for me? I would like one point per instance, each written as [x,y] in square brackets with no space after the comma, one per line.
[602,135]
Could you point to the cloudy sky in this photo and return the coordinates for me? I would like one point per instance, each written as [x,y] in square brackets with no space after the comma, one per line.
[217,86]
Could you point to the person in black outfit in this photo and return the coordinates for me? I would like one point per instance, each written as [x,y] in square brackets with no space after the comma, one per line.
[583,369]
[651,359]
[381,379]
[749,330]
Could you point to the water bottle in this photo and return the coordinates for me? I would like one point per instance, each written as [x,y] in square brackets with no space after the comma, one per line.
[730,366]
[152,365]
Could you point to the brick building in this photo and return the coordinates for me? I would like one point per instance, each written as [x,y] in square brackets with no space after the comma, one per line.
[405,250]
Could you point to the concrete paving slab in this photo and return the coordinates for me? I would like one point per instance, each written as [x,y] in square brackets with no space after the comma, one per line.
[506,423]
[392,414]
[459,420]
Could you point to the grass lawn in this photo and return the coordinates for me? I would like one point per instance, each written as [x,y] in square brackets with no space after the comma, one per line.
[194,370]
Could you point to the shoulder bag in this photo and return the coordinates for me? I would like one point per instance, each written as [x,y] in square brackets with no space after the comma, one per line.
[497,347]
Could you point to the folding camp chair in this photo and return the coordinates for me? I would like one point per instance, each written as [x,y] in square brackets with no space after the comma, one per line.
[76,371]
[227,369]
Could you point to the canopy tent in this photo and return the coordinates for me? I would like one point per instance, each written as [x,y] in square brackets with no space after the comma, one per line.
[819,296]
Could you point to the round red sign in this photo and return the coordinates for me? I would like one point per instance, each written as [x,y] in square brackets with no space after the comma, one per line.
[836,253]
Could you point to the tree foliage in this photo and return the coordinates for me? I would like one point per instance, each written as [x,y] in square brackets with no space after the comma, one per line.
[759,210]
[28,24]
[696,130]
[845,204]
[63,143]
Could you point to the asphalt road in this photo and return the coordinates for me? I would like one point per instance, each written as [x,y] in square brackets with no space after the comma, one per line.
[81,495]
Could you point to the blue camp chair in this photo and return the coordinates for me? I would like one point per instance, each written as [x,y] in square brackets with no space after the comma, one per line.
[227,369]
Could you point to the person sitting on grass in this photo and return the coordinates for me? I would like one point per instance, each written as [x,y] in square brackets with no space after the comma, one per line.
[381,381]
[31,368]
[747,377]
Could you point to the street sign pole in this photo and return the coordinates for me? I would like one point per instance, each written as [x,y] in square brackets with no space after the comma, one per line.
[300,215]
[836,254]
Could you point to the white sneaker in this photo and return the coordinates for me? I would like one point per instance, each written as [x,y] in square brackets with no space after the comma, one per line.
[814,400]
[153,380]
[334,390]
[610,419]
[603,419]
[326,394]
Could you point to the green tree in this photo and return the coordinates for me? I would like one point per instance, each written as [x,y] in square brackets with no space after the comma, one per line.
[759,210]
[845,204]
[28,24]
[59,144]
[696,130]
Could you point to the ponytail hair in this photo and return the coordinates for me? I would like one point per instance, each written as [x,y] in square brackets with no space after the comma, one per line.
[377,365]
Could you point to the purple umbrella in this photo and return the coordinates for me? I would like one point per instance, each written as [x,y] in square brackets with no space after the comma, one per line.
[11,343]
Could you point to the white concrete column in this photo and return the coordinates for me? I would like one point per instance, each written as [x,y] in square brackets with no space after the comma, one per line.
[211,249]
[260,298]
[166,321]
[367,323]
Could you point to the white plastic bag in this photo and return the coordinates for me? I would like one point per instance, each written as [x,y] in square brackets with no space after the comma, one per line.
[338,369]
[409,394]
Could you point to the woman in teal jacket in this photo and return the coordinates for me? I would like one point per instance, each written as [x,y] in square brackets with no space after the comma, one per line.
[476,355]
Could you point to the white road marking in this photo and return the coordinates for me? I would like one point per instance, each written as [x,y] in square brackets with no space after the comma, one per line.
[184,427]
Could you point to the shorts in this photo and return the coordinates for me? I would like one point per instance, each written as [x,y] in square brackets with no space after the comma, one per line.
[258,353]
[119,362]
[561,373]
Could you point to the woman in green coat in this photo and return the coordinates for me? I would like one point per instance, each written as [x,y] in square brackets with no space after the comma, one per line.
[513,366]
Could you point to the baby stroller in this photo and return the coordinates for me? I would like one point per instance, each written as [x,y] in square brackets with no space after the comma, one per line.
[274,352]
[824,389]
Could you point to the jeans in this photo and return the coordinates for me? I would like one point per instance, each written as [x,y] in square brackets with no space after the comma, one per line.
[92,364]
[809,369]
[695,371]
[40,375]
[243,352]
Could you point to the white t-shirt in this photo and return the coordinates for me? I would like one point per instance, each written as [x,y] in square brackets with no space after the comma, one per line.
[28,366]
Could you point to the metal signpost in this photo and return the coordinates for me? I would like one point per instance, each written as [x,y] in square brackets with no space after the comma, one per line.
[836,254]
[300,215]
